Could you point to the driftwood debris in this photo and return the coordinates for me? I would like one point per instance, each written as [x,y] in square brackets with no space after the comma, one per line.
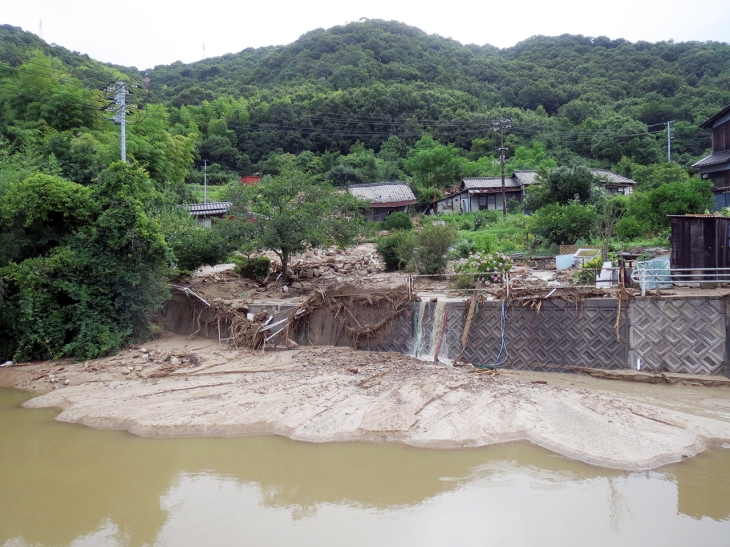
[343,300]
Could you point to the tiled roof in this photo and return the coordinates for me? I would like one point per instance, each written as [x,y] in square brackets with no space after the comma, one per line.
[713,159]
[208,209]
[383,193]
[480,183]
[606,176]
[525,177]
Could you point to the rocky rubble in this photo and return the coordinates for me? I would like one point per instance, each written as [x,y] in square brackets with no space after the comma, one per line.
[332,265]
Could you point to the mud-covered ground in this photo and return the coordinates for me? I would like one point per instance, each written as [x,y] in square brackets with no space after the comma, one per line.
[180,387]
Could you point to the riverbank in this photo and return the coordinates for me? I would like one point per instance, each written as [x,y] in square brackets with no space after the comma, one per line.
[182,387]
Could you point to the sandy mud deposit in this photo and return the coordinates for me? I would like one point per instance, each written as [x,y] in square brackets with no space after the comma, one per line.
[178,387]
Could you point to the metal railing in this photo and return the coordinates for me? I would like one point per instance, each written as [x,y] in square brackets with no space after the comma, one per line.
[666,277]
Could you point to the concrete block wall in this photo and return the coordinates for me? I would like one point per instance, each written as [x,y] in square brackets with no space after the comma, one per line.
[673,334]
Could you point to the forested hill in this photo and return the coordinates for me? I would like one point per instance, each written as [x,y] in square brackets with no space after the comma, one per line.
[369,74]
[545,71]
[17,47]
[584,100]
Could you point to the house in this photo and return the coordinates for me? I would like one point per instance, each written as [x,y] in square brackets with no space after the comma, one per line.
[479,193]
[613,182]
[716,166]
[384,198]
[206,212]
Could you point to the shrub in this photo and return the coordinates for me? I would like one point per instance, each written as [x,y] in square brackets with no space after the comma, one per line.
[483,218]
[192,244]
[463,248]
[483,243]
[493,266]
[629,228]
[257,267]
[391,248]
[431,245]
[397,221]
[587,274]
[564,224]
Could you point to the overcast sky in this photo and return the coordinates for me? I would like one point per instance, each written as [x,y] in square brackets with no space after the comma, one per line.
[145,33]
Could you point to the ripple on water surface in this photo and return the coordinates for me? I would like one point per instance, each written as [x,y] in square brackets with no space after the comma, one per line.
[64,484]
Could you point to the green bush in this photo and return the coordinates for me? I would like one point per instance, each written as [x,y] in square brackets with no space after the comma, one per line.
[100,276]
[257,267]
[564,224]
[484,218]
[429,255]
[391,248]
[463,248]
[492,266]
[397,221]
[483,243]
[192,244]
[628,229]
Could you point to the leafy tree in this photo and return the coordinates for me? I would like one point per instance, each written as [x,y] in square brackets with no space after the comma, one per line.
[192,244]
[100,276]
[651,208]
[568,183]
[291,213]
[427,254]
[564,224]
[433,164]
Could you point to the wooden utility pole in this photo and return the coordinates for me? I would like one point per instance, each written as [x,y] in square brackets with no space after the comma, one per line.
[501,126]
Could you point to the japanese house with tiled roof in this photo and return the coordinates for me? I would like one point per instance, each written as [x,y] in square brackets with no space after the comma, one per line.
[480,193]
[716,166]
[384,198]
[206,212]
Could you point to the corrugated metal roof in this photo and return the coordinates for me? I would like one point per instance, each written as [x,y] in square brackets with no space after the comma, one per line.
[479,183]
[606,176]
[208,209]
[383,192]
[713,159]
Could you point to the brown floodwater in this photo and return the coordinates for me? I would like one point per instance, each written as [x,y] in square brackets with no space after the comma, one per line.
[63,484]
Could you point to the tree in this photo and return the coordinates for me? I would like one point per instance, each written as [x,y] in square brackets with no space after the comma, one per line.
[609,210]
[568,183]
[100,275]
[433,164]
[564,224]
[291,213]
[651,208]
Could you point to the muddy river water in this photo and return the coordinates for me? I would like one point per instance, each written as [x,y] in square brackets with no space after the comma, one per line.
[64,484]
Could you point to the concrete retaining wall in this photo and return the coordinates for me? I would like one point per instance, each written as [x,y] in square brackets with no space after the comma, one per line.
[665,334]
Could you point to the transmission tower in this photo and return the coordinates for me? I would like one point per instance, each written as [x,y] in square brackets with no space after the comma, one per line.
[40,29]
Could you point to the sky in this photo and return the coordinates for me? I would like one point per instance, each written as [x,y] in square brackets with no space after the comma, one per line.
[146,33]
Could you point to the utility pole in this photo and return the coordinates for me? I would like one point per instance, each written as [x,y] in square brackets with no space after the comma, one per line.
[119,108]
[669,141]
[501,126]
[205,181]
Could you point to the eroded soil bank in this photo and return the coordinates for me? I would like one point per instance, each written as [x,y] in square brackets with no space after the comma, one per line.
[181,387]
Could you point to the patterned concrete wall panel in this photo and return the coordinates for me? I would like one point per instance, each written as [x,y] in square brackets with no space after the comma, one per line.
[560,334]
[679,335]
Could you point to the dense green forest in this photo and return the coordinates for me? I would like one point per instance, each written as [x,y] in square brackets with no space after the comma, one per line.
[81,232]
